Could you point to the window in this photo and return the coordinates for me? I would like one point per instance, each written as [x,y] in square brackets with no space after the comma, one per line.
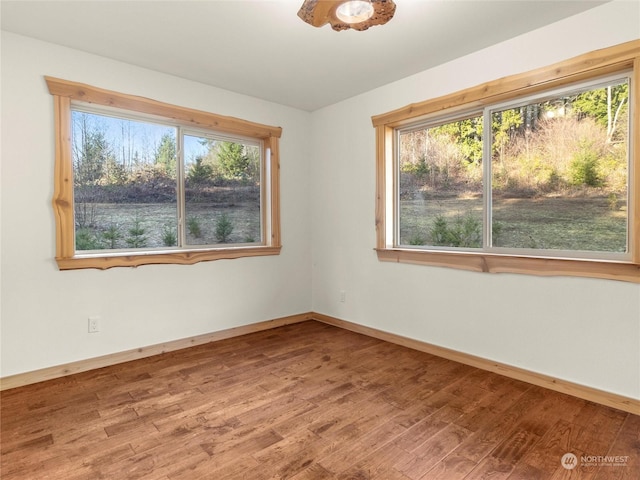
[534,173]
[139,182]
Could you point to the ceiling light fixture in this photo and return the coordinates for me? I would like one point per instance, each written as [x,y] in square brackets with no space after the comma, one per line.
[345,14]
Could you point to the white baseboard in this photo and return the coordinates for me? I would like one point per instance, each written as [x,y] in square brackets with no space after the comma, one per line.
[58,371]
[609,399]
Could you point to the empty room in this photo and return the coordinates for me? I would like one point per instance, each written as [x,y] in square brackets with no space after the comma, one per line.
[320,239]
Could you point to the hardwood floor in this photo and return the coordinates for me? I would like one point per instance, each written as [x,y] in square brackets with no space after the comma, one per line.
[307,401]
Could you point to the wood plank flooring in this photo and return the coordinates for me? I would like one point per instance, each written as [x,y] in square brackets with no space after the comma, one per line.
[304,402]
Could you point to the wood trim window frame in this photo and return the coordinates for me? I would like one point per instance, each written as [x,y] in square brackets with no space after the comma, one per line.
[594,64]
[65,92]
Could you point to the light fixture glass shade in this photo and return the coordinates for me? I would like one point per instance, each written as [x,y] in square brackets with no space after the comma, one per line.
[354,11]
[347,14]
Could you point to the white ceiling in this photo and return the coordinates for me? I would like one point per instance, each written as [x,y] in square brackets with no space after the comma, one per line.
[261,48]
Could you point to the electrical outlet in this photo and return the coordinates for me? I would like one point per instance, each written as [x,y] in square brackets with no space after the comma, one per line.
[94,324]
[343,296]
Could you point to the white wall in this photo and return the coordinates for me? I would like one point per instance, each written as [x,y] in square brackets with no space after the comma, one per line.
[44,310]
[581,330]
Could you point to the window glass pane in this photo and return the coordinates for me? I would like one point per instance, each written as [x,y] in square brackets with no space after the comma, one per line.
[440,188]
[559,172]
[124,183]
[222,191]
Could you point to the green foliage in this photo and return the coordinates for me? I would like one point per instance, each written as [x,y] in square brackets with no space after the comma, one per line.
[503,124]
[86,239]
[193,225]
[199,172]
[603,103]
[420,169]
[234,161]
[417,239]
[496,231]
[583,169]
[224,228]
[111,236]
[137,237]
[463,231]
[538,173]
[165,155]
[612,168]
[169,237]
[467,135]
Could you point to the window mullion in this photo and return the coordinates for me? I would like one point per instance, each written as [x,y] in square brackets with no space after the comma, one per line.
[392,179]
[633,165]
[180,194]
[487,241]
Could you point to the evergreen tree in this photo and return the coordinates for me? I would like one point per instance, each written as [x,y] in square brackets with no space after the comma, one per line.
[199,172]
[165,155]
[233,160]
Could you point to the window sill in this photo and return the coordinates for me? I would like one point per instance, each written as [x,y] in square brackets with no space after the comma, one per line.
[103,261]
[492,263]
